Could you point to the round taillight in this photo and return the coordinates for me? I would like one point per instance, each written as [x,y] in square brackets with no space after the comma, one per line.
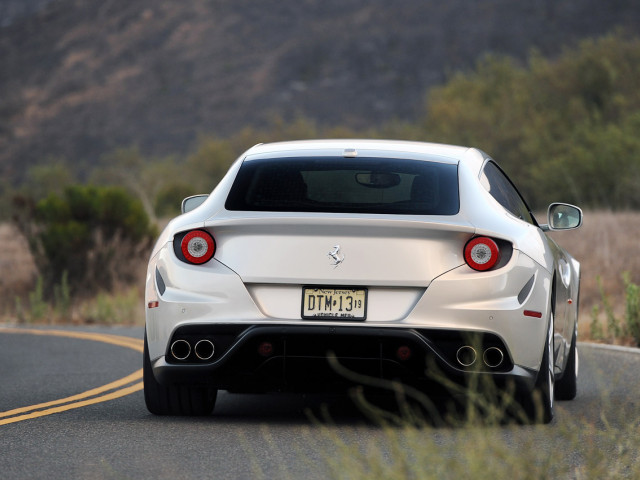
[481,253]
[198,247]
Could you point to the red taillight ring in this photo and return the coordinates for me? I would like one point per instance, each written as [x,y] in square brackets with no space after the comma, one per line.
[198,247]
[481,253]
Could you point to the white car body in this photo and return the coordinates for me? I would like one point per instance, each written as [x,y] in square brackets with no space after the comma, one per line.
[412,266]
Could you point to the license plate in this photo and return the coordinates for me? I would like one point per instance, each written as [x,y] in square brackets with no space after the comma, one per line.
[334,303]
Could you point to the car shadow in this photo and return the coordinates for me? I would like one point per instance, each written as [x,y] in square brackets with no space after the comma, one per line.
[350,408]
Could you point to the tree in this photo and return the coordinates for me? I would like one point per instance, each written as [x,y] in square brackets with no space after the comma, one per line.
[565,129]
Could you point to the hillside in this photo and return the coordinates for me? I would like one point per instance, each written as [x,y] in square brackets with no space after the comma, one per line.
[79,78]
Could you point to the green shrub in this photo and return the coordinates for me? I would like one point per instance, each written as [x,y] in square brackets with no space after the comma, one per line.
[86,238]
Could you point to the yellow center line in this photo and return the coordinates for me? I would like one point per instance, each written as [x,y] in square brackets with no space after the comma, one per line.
[41,413]
[81,399]
[89,393]
[128,342]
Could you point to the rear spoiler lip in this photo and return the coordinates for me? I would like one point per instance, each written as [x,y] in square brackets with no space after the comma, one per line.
[455,223]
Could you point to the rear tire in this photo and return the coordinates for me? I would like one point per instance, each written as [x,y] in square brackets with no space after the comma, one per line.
[538,404]
[567,386]
[174,399]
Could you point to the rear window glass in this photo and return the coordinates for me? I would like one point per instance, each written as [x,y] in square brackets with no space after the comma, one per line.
[359,185]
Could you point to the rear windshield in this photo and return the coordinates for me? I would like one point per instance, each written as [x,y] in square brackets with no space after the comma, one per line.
[359,185]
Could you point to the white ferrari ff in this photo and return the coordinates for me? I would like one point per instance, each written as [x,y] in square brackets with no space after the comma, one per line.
[390,258]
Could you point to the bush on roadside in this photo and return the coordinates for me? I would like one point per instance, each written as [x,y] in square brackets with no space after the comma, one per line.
[85,239]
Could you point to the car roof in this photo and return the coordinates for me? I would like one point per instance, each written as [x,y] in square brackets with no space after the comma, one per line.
[364,148]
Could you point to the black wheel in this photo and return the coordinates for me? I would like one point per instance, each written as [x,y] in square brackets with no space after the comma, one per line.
[538,404]
[567,385]
[174,399]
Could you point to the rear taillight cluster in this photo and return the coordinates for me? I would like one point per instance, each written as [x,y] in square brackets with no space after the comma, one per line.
[196,247]
[481,253]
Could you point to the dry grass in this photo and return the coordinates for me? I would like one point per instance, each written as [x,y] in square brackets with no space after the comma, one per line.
[19,273]
[605,246]
[20,300]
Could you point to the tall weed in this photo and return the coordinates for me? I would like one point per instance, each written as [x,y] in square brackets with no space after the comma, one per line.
[123,307]
[62,296]
[632,303]
[481,441]
[618,329]
[427,452]
[38,307]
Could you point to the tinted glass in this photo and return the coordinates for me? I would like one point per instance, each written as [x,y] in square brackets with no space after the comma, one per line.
[501,188]
[359,185]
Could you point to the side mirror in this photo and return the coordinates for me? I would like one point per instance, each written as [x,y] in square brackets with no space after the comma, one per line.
[562,216]
[193,202]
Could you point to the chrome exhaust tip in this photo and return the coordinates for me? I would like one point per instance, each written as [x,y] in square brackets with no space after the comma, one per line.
[180,349]
[466,356]
[204,349]
[493,357]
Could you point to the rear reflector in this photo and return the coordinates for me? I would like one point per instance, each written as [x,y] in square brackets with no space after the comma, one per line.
[403,353]
[265,349]
[531,313]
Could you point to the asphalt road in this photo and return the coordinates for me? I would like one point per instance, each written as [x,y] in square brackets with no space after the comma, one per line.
[50,428]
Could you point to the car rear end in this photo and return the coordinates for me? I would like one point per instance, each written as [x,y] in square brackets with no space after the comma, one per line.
[318,268]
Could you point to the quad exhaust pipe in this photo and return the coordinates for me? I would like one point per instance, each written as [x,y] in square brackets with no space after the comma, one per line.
[493,357]
[203,349]
[467,356]
[180,349]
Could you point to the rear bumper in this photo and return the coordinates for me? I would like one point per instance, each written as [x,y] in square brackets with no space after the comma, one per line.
[258,358]
[461,299]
